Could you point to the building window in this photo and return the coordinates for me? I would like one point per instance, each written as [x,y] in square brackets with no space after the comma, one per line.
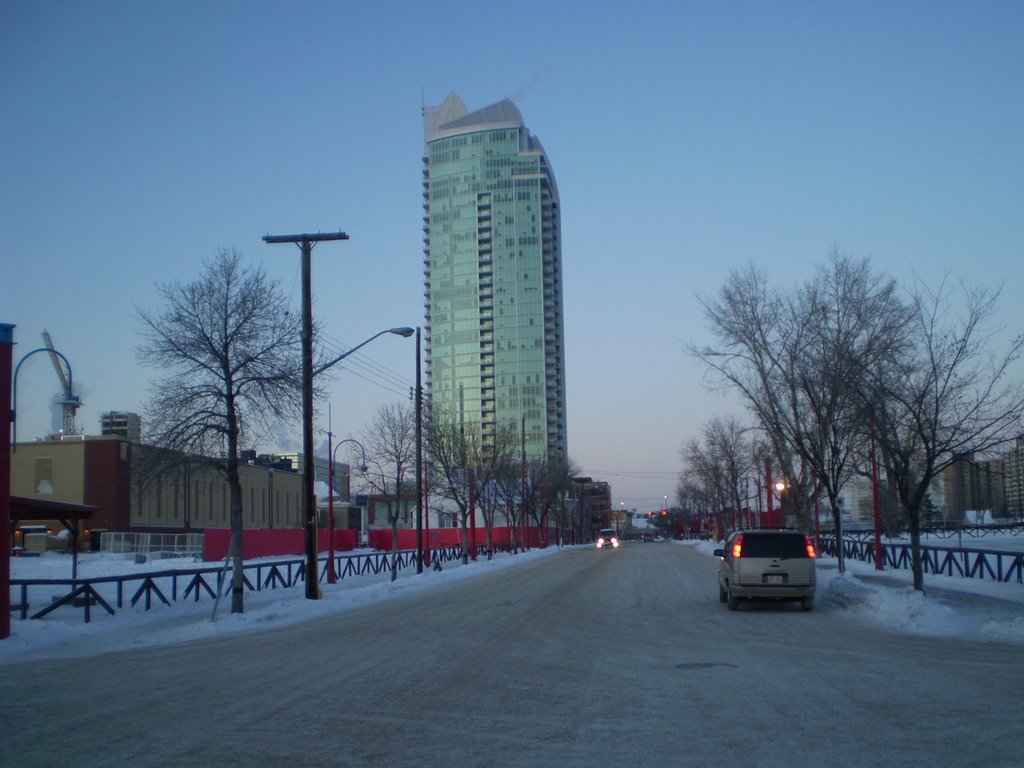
[44,476]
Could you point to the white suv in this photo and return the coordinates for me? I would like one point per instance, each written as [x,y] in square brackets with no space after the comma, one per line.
[774,564]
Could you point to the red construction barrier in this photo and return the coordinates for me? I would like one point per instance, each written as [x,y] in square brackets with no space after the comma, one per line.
[269,542]
[501,538]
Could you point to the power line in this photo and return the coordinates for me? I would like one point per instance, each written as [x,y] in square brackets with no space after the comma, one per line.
[657,475]
[368,369]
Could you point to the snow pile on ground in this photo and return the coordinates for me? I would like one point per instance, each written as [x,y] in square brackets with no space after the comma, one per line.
[902,608]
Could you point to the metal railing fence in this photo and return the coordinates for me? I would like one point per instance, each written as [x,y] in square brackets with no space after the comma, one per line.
[170,586]
[967,562]
[155,544]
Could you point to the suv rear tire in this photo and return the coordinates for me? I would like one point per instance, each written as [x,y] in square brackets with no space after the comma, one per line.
[734,602]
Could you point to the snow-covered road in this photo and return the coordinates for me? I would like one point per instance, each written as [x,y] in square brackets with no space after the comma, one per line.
[577,658]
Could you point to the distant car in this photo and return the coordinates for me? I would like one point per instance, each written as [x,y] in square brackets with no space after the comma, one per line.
[607,538]
[770,564]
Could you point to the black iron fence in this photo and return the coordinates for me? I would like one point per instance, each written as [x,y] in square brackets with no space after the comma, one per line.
[108,593]
[947,531]
[967,562]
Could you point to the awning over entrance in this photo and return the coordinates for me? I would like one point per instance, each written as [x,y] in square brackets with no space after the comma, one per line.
[24,508]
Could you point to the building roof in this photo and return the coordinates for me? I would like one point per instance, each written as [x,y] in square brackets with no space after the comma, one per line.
[502,113]
[452,117]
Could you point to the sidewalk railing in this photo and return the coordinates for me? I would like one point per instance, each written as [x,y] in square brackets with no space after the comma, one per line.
[109,592]
[971,563]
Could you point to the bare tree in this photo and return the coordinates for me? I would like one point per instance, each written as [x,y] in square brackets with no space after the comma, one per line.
[947,394]
[715,468]
[391,449]
[546,483]
[506,494]
[796,358]
[227,349]
[463,464]
[756,356]
[856,318]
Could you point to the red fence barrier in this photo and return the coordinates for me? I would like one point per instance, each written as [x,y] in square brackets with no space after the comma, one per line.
[269,542]
[501,538]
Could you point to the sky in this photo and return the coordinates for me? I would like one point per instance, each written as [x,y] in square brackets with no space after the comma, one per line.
[687,139]
[955,608]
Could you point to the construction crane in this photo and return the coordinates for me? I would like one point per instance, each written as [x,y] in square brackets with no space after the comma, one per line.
[68,402]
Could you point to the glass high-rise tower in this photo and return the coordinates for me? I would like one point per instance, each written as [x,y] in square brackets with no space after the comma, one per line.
[495,352]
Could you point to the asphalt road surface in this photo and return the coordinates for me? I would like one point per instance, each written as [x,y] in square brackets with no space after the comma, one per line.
[585,658]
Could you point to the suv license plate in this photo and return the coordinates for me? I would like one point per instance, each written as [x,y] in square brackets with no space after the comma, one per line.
[774,578]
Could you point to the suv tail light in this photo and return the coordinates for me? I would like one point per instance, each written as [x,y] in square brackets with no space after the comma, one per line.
[737,548]
[810,548]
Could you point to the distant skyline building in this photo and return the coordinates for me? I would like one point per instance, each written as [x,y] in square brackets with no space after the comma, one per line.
[123,424]
[495,352]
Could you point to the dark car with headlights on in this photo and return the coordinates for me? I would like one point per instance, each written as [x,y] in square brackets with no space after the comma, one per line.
[607,538]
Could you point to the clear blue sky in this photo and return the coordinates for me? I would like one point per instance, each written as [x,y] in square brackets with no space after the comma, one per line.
[687,138]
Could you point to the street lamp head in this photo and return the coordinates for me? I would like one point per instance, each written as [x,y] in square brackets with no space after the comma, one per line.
[406,332]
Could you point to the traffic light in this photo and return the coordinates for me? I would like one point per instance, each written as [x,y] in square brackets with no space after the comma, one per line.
[664,512]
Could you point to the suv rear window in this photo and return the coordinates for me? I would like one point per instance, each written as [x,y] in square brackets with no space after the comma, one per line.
[774,545]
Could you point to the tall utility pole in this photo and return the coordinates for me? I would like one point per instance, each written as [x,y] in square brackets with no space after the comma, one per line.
[305,243]
[6,359]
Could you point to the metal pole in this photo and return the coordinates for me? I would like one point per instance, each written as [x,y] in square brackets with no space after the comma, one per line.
[472,514]
[875,503]
[522,449]
[768,491]
[6,423]
[419,459]
[308,501]
[331,575]
[305,243]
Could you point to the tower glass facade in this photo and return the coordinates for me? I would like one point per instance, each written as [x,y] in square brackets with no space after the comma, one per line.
[493,275]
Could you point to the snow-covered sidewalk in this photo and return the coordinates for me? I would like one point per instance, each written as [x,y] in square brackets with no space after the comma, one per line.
[64,633]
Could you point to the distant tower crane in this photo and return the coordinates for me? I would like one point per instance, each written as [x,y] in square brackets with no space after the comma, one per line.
[69,403]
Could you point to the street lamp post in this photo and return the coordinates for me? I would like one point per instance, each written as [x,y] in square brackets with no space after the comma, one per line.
[419,459]
[8,445]
[6,423]
[780,488]
[14,408]
[331,575]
